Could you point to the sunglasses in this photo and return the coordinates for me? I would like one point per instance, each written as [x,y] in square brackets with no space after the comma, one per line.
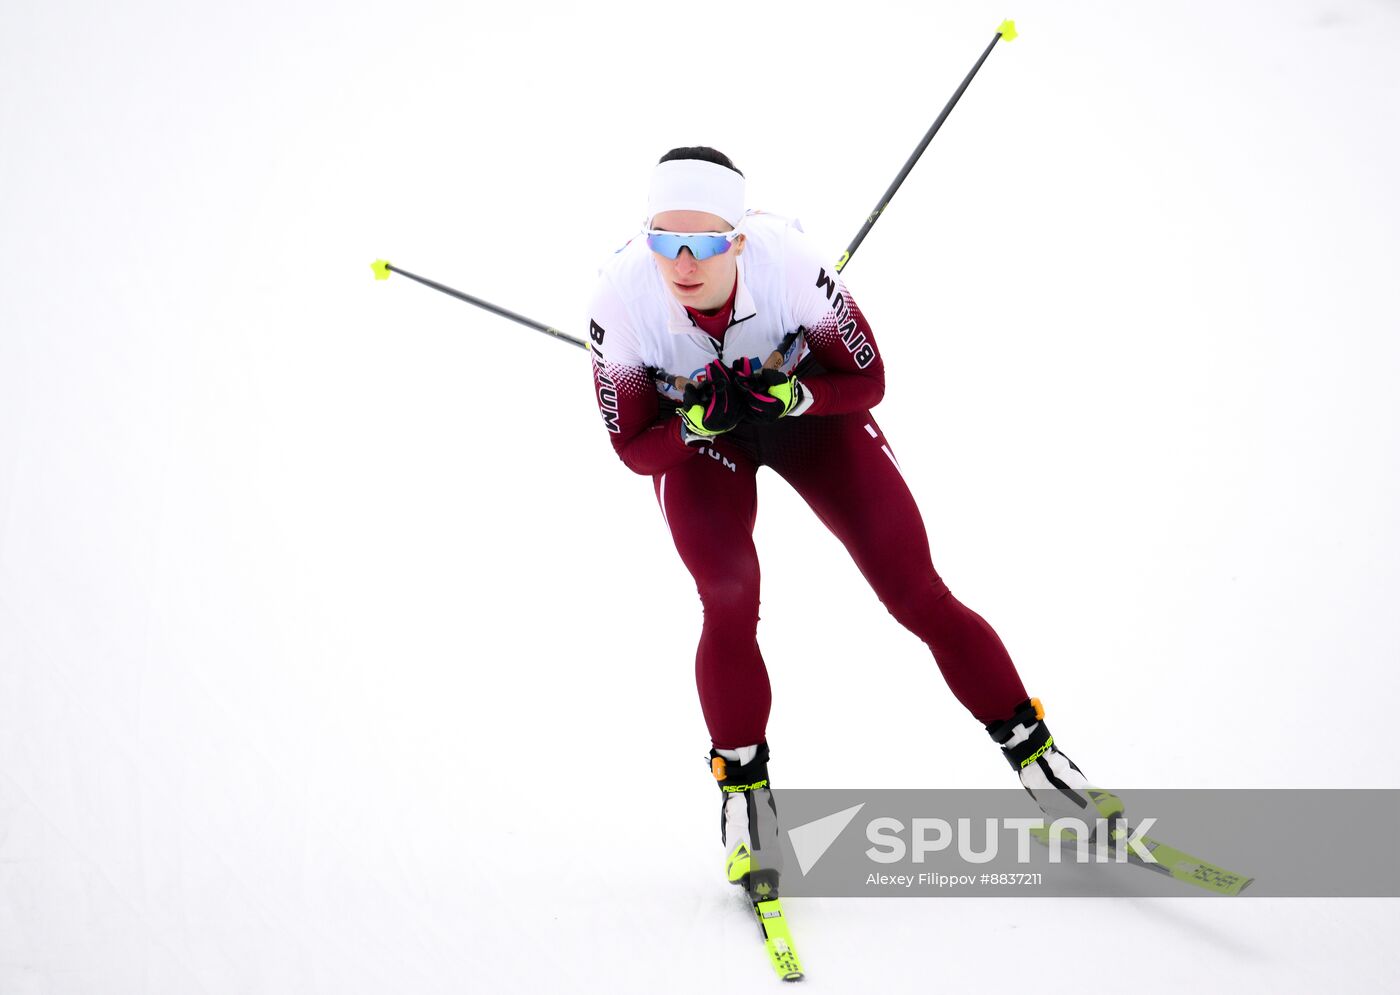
[702,244]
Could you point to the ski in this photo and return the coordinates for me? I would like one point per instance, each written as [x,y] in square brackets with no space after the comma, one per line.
[1168,860]
[1192,870]
[777,938]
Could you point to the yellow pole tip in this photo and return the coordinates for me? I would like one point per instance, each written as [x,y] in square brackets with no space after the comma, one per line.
[381,269]
[1007,30]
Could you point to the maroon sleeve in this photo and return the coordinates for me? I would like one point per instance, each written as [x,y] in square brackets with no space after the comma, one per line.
[645,439]
[648,443]
[850,374]
[844,384]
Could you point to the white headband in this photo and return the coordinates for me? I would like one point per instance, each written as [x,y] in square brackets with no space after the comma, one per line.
[696,185]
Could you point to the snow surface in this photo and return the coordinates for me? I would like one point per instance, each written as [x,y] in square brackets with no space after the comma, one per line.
[337,652]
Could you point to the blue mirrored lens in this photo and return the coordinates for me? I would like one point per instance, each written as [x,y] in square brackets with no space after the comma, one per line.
[700,246]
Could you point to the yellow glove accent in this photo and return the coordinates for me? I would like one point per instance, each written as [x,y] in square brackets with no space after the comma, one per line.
[694,419]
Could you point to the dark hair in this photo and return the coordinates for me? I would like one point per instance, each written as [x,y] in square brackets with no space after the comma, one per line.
[702,152]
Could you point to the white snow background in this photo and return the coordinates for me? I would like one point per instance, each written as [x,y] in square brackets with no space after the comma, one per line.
[339,654]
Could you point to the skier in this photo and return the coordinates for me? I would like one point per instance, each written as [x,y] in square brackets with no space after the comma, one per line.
[722,341]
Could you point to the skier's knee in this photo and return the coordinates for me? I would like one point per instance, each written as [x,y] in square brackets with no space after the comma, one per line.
[735,595]
[919,606]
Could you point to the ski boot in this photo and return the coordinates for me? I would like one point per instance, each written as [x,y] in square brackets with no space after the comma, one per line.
[748,820]
[1052,779]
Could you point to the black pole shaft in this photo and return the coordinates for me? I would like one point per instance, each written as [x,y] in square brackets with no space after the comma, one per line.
[909,165]
[488,306]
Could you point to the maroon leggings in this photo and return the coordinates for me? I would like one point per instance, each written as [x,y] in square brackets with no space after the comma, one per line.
[844,469]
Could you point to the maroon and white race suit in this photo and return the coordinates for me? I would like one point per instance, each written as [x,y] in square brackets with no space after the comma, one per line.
[830,450]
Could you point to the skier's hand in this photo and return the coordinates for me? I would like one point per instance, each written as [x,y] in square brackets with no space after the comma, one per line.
[714,405]
[769,394]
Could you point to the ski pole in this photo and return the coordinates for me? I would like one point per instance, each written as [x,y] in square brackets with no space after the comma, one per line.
[382,268]
[1006,31]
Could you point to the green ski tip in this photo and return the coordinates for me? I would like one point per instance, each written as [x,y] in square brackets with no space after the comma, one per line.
[1170,861]
[782,952]
[1007,30]
[381,269]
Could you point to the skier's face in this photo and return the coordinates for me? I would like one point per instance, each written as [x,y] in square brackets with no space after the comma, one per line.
[703,284]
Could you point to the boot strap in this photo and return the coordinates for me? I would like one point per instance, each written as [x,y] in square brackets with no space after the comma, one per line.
[734,777]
